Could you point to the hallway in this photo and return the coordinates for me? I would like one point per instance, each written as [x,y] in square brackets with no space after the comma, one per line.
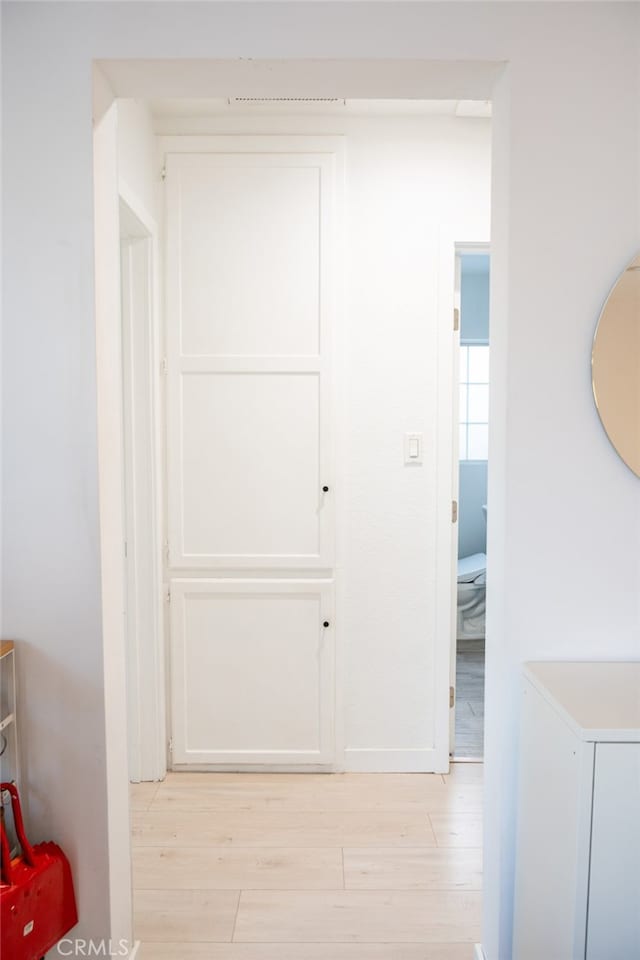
[308,866]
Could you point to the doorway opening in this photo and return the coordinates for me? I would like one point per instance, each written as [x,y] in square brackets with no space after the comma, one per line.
[471,471]
[263,320]
[283,596]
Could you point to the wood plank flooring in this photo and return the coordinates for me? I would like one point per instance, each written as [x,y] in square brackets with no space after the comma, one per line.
[308,866]
[469,738]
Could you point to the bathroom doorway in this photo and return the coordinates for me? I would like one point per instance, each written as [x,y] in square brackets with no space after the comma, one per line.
[471,468]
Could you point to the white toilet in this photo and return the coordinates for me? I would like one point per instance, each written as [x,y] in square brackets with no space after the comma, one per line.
[472,579]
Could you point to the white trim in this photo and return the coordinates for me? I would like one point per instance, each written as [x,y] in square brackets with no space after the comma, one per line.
[478,952]
[146,652]
[391,760]
[445,485]
[337,380]
[302,767]
[129,197]
[130,247]
[251,142]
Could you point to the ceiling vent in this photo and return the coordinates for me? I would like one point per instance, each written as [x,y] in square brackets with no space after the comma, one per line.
[287,100]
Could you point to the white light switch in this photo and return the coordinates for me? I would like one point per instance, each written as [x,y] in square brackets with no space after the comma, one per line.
[413,448]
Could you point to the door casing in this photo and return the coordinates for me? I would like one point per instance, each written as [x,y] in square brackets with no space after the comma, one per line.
[142,491]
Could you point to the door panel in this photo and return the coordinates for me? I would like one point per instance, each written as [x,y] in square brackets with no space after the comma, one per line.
[252,671]
[249,261]
[250,294]
[613,929]
[250,489]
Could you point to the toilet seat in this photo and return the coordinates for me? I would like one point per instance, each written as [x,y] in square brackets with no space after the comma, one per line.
[471,568]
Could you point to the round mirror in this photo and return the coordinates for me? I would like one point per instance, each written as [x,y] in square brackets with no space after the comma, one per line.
[615,366]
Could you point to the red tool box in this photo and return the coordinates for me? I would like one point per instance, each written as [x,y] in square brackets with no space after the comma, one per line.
[37,903]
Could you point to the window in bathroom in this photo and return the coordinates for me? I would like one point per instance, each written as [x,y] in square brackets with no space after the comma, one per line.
[474,401]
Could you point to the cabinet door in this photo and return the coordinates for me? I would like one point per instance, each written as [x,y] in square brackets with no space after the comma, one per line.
[556,772]
[250,294]
[252,235]
[613,927]
[252,668]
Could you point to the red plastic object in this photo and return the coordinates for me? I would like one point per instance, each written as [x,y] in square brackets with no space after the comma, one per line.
[37,903]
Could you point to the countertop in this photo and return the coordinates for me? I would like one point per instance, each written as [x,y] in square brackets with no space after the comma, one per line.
[600,700]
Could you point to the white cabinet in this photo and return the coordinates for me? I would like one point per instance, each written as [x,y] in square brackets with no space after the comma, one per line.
[252,291]
[577,888]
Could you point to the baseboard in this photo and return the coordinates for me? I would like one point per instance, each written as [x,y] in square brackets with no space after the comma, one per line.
[377,760]
[478,952]
[254,768]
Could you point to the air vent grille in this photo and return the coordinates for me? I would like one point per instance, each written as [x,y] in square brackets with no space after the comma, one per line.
[288,100]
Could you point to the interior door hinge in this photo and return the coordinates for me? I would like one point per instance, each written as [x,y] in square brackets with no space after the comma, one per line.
[454,511]
[456,319]
[167,594]
[163,366]
[170,746]
[452,697]
[166,552]
[163,173]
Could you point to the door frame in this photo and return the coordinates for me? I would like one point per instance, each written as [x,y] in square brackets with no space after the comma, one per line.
[149,735]
[423,79]
[142,447]
[149,732]
[455,239]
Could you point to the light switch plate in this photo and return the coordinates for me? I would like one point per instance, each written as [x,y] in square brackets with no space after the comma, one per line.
[413,448]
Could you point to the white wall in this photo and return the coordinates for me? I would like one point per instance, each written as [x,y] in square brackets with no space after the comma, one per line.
[405,182]
[565,197]
[138,169]
[51,585]
[406,179]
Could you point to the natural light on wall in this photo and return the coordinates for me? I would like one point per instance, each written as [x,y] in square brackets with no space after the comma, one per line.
[474,402]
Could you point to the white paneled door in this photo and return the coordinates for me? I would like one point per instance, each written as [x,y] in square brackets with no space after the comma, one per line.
[251,291]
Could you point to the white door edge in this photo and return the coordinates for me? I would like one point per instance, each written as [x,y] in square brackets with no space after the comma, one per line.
[454,238]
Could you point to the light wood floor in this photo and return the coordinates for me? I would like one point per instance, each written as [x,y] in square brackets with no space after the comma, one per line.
[308,866]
